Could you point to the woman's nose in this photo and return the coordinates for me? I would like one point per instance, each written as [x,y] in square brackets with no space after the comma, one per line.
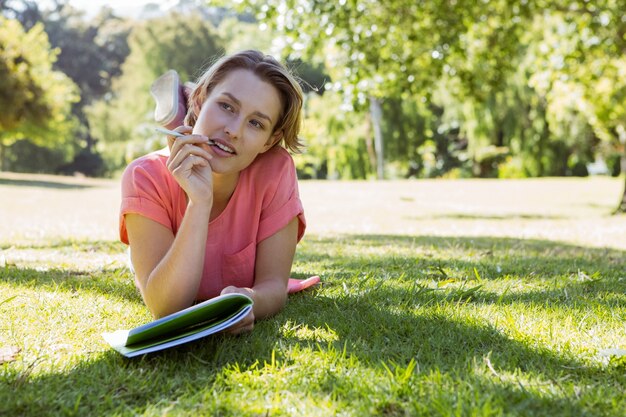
[233,127]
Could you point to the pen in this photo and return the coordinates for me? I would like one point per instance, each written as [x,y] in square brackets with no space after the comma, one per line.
[168,132]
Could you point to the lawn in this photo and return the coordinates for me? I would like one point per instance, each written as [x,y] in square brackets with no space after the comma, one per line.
[438,298]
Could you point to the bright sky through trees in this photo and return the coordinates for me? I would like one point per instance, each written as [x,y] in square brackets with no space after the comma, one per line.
[121,7]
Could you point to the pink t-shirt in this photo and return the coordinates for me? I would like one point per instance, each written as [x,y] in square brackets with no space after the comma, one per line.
[265,200]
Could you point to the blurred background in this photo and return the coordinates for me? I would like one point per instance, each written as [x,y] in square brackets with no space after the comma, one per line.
[394,89]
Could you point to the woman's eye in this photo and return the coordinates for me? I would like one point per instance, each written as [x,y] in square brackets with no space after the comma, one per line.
[256,124]
[226,106]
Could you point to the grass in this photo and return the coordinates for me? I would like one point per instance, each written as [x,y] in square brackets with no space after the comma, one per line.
[447,323]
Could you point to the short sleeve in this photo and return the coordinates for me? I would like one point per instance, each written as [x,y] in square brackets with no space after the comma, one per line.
[145,191]
[282,202]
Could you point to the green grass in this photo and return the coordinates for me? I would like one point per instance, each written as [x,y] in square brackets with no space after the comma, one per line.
[403,325]
[439,298]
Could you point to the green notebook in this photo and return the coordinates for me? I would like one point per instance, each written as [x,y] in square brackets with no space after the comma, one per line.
[195,322]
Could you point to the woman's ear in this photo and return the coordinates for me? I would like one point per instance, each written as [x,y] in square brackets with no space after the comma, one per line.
[273,140]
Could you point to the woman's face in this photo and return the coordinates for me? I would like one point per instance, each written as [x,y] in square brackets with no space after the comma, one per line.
[239,117]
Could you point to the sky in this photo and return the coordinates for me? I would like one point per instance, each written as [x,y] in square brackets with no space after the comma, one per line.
[126,8]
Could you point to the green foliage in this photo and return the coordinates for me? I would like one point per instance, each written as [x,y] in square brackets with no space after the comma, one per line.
[421,140]
[238,35]
[85,162]
[534,88]
[613,162]
[335,139]
[36,100]
[25,11]
[406,128]
[512,167]
[398,48]
[91,52]
[25,156]
[541,81]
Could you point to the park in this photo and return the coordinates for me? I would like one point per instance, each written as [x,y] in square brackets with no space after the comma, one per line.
[471,253]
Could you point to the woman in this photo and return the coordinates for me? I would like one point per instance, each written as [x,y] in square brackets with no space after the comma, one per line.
[219,211]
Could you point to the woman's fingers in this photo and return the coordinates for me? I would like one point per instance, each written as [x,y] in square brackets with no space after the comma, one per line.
[247,323]
[241,330]
[185,130]
[244,326]
[186,150]
[189,163]
[181,142]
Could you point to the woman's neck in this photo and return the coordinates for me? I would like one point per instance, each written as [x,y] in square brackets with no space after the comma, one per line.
[223,188]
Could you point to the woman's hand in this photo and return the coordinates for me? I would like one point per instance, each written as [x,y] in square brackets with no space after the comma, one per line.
[247,323]
[189,164]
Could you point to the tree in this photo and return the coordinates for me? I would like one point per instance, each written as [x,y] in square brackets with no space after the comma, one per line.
[35,99]
[25,11]
[399,48]
[336,140]
[91,54]
[582,68]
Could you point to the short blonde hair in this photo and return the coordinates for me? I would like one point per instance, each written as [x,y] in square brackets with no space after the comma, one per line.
[268,69]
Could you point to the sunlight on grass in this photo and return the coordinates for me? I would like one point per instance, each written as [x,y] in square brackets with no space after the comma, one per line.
[402,324]
[399,325]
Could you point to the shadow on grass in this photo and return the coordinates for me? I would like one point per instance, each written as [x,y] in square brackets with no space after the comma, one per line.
[84,246]
[568,276]
[456,258]
[116,282]
[14,182]
[459,349]
[111,280]
[376,336]
[375,322]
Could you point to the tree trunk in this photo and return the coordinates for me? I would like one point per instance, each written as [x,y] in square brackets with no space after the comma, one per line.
[621,208]
[377,118]
[369,143]
[622,205]
[2,153]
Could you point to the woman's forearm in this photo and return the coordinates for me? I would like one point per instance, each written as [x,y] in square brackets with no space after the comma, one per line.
[273,266]
[174,282]
[269,298]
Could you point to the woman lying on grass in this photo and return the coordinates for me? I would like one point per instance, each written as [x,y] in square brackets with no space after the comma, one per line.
[218,211]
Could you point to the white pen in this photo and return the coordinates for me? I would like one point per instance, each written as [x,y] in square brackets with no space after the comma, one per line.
[175,133]
[168,132]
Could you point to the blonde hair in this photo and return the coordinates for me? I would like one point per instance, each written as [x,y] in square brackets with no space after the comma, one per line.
[267,69]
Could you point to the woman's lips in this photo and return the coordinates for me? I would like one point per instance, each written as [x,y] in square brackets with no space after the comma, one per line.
[222,148]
